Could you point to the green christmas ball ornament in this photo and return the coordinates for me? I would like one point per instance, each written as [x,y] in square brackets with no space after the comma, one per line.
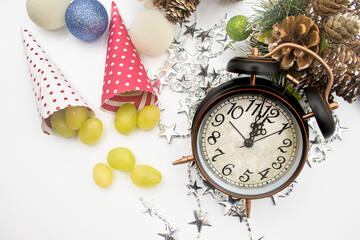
[238,28]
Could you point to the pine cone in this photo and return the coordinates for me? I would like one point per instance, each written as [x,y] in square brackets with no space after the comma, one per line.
[177,10]
[300,30]
[342,27]
[344,63]
[326,8]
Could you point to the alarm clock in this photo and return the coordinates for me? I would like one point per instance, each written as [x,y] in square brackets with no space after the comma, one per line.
[250,136]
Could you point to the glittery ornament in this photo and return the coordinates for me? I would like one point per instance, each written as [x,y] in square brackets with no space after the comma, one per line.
[238,28]
[86,19]
[48,14]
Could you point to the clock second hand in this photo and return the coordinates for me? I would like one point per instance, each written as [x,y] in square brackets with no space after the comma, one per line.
[279,132]
[237,130]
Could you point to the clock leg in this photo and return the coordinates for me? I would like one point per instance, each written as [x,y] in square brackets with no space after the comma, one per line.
[184,160]
[247,207]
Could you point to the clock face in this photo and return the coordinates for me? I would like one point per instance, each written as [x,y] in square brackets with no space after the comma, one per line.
[250,145]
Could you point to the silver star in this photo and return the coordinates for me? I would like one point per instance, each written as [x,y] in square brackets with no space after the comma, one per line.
[149,207]
[209,188]
[338,131]
[207,87]
[285,192]
[218,31]
[168,132]
[184,107]
[202,50]
[226,43]
[191,30]
[200,220]
[239,212]
[193,188]
[191,59]
[204,35]
[230,204]
[203,71]
[170,234]
[214,75]
[276,196]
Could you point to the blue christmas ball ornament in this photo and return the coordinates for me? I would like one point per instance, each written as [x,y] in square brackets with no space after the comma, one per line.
[86,19]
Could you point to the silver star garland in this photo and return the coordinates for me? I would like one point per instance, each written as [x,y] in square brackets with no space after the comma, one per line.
[170,233]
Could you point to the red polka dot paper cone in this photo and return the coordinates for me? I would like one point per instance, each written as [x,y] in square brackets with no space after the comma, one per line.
[52,91]
[125,78]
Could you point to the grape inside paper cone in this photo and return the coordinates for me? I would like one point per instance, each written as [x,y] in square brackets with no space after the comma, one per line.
[125,78]
[51,89]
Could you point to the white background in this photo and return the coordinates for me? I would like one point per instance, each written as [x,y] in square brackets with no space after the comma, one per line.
[46,186]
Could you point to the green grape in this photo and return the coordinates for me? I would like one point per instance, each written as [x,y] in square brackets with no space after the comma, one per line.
[76,116]
[148,117]
[121,159]
[145,176]
[102,175]
[58,124]
[125,118]
[91,131]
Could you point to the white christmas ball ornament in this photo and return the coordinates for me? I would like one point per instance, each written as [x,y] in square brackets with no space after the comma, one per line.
[151,33]
[48,14]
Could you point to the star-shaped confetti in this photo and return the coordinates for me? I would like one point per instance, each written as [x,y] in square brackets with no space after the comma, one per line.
[168,132]
[209,188]
[200,220]
[203,71]
[149,207]
[193,188]
[230,204]
[170,233]
[238,212]
[339,131]
[204,35]
[184,107]
[191,30]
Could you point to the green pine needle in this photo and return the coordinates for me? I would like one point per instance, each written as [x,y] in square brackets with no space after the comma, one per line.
[269,12]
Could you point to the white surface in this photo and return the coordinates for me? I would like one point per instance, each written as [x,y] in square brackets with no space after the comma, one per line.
[46,186]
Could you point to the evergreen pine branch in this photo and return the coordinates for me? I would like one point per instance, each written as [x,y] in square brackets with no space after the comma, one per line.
[269,12]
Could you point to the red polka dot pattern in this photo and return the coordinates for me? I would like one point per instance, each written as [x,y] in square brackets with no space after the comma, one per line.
[124,71]
[51,89]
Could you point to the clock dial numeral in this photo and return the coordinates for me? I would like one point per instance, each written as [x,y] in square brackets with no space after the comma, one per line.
[263,173]
[213,138]
[285,126]
[287,143]
[219,119]
[226,171]
[280,161]
[217,155]
[245,177]
[258,107]
[274,113]
[235,111]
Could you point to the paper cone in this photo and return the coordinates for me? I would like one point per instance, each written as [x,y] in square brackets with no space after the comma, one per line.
[125,78]
[52,91]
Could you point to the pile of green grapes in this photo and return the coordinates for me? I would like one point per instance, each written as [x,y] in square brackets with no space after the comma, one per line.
[123,159]
[67,122]
[127,118]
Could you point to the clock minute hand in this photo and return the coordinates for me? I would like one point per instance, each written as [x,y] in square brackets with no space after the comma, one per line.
[237,130]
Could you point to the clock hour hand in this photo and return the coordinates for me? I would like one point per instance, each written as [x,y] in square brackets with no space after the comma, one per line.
[286,126]
[237,130]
